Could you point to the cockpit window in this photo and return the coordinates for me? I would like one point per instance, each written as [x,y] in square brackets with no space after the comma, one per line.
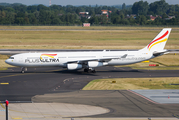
[11,58]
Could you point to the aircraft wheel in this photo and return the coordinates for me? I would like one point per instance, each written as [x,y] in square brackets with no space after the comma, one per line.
[85,70]
[23,69]
[93,71]
[89,70]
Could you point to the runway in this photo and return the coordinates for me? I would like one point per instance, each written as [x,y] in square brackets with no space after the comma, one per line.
[43,85]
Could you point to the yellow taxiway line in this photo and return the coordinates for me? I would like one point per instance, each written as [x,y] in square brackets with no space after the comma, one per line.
[4,83]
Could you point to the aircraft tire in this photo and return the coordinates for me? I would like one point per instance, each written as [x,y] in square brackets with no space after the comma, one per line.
[85,70]
[89,70]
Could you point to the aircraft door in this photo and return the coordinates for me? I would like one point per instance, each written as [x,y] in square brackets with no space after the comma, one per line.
[21,58]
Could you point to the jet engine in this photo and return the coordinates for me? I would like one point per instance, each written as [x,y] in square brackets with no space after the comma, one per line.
[74,66]
[93,64]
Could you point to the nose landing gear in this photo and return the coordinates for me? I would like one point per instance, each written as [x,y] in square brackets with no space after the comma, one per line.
[23,69]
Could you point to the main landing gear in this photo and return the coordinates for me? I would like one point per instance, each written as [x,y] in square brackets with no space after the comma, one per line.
[89,70]
[23,69]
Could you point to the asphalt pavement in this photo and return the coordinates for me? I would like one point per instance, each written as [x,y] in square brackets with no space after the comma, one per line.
[43,85]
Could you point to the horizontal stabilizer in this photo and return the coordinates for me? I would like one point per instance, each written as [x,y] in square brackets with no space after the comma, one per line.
[158,53]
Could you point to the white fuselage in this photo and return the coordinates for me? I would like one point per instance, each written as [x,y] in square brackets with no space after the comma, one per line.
[61,59]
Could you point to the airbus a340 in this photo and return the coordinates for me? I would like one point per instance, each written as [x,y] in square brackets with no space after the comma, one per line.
[91,59]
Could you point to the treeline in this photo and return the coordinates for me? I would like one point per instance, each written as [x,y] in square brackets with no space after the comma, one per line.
[138,14]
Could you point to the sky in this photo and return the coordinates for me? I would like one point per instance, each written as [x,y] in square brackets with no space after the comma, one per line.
[83,2]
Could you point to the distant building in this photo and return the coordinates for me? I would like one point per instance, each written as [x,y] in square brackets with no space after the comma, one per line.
[105,12]
[84,14]
[86,24]
[133,16]
[170,17]
[152,18]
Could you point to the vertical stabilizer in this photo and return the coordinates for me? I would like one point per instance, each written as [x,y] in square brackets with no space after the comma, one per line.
[158,43]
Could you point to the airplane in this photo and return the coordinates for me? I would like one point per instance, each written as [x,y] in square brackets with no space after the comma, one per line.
[89,60]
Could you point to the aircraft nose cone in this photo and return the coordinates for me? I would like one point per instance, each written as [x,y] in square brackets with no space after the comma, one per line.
[7,61]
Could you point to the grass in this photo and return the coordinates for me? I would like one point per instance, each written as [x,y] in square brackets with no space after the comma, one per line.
[133,83]
[4,56]
[157,68]
[166,62]
[3,65]
[64,39]
[3,68]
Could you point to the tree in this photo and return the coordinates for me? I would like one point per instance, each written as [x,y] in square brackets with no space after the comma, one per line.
[20,8]
[93,20]
[20,14]
[19,21]
[55,7]
[159,7]
[31,9]
[104,19]
[131,21]
[140,8]
[141,19]
[9,9]
[26,20]
[42,7]
[10,18]
[44,17]
[56,14]
[171,10]
[56,21]
[124,22]
[2,8]
[77,11]
[123,6]
[32,19]
[2,14]
[84,19]
[158,21]
[116,20]
[62,18]
[164,16]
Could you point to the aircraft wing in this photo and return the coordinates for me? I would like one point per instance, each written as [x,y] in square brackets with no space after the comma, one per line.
[99,60]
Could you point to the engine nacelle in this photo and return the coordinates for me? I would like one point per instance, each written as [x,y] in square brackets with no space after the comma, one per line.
[74,66]
[93,64]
